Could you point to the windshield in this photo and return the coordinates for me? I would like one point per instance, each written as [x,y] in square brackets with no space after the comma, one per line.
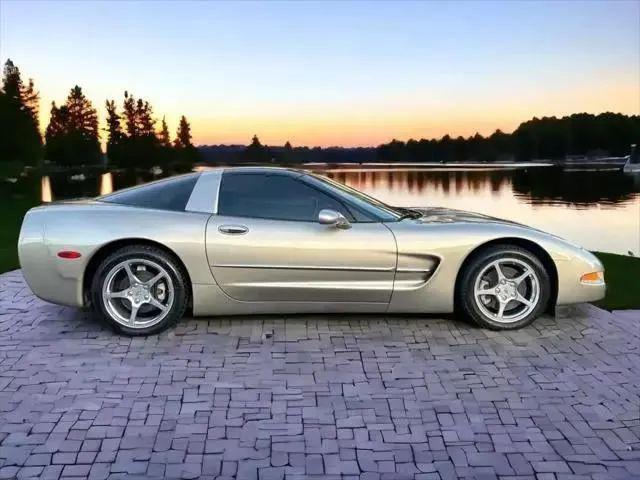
[363,201]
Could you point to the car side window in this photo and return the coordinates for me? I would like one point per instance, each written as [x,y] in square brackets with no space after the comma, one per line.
[170,194]
[273,196]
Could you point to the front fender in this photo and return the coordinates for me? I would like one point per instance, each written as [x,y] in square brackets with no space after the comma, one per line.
[452,243]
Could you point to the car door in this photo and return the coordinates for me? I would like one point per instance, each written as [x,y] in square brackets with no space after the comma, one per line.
[265,244]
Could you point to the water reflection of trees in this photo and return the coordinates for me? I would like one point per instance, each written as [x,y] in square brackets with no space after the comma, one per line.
[551,185]
[422,181]
[534,185]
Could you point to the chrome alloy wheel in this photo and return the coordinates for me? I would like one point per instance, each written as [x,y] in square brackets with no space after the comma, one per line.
[138,293]
[507,290]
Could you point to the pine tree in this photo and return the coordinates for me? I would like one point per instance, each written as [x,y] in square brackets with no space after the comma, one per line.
[114,132]
[114,128]
[58,123]
[140,145]
[130,115]
[144,119]
[185,152]
[183,136]
[12,83]
[165,141]
[20,140]
[83,118]
[31,99]
[72,133]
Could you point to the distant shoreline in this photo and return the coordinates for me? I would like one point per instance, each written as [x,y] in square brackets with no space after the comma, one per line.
[405,165]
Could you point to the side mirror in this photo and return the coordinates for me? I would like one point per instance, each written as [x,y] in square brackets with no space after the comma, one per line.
[331,217]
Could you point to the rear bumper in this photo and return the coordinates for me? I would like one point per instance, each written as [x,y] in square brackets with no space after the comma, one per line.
[39,265]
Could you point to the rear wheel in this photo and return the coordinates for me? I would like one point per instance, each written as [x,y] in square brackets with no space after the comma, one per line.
[140,290]
[504,287]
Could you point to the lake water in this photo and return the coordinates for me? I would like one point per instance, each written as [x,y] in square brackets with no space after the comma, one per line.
[597,209]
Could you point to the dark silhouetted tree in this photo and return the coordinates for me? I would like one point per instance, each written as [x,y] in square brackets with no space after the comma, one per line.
[130,115]
[114,132]
[287,155]
[163,136]
[139,145]
[183,135]
[144,119]
[72,133]
[256,152]
[167,152]
[20,140]
[186,153]
[31,99]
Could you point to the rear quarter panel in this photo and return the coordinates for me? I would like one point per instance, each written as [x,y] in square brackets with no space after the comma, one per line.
[88,227]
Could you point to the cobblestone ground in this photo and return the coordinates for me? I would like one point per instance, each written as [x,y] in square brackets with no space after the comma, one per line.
[273,397]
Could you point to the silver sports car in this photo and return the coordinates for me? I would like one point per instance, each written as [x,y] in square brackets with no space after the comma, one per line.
[270,240]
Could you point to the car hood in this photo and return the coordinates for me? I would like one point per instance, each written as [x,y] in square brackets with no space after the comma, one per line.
[449,215]
[440,215]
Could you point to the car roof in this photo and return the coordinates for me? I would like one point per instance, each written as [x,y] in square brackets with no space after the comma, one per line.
[293,172]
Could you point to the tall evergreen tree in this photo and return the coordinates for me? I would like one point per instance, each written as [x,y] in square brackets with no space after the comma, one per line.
[72,133]
[144,119]
[186,153]
[12,84]
[164,138]
[140,146]
[183,136]
[130,115]
[114,132]
[20,140]
[31,99]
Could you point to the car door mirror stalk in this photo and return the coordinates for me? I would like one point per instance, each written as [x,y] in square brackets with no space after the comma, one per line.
[331,217]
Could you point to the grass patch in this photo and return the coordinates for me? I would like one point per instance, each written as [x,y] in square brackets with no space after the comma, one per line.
[623,287]
[11,212]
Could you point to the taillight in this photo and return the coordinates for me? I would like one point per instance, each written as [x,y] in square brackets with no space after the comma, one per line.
[69,254]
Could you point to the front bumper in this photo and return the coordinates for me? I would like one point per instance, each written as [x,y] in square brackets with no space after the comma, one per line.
[570,270]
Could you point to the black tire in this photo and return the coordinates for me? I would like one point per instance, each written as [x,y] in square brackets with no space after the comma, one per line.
[470,306]
[156,256]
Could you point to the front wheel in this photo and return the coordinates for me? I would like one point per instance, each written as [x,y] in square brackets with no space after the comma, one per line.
[503,288]
[139,290]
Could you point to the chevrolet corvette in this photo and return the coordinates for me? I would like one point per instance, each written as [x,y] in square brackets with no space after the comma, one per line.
[261,240]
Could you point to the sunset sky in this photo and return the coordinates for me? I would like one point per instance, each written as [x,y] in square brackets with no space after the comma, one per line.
[333,73]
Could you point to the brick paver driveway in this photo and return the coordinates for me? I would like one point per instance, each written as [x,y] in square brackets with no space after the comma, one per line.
[301,396]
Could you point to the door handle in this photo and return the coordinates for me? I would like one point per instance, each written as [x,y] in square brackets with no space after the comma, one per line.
[233,229]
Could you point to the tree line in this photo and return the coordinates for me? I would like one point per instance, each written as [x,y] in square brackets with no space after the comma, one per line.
[547,138]
[135,138]
[72,136]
